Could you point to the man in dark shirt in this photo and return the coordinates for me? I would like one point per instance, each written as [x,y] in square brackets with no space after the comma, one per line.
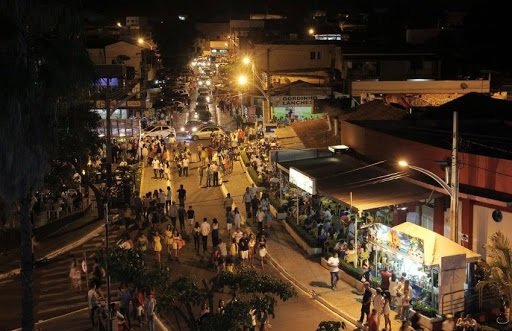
[182,195]
[243,248]
[367,302]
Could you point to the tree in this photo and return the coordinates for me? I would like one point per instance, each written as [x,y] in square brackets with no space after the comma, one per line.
[250,291]
[498,269]
[45,67]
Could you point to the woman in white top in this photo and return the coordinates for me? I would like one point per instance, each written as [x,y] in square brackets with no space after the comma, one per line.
[237,219]
[386,310]
[393,282]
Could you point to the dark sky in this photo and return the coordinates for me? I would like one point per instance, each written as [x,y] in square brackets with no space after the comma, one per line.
[211,8]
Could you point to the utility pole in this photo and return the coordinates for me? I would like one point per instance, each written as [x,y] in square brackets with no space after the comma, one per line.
[108,135]
[454,183]
[109,301]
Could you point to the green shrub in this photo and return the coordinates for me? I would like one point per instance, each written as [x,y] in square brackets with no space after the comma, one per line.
[352,271]
[276,203]
[424,309]
[244,157]
[303,233]
[254,176]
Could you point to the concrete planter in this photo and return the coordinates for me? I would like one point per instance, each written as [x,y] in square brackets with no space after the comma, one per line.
[427,323]
[355,283]
[298,239]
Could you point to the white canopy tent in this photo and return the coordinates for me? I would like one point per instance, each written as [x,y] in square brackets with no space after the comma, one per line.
[435,245]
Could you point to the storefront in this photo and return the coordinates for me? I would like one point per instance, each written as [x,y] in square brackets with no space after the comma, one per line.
[436,266]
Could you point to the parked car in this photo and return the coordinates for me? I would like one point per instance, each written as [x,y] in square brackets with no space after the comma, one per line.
[206,132]
[159,131]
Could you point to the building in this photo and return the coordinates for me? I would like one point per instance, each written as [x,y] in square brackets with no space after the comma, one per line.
[425,141]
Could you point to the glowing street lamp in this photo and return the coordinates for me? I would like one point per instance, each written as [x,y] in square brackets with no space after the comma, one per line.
[119,25]
[246,60]
[452,191]
[141,41]
[311,31]
[242,80]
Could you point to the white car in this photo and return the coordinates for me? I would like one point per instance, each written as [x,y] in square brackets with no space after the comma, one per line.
[205,132]
[159,131]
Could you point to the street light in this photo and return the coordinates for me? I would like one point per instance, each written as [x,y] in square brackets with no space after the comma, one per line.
[119,25]
[242,80]
[246,60]
[452,191]
[311,31]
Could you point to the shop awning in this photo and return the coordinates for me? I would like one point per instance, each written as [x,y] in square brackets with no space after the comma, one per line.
[371,186]
[435,245]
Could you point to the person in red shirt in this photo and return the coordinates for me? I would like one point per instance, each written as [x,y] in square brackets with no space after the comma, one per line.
[372,321]
[385,276]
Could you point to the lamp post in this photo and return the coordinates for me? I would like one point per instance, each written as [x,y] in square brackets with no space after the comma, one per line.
[243,80]
[453,188]
[452,191]
[246,60]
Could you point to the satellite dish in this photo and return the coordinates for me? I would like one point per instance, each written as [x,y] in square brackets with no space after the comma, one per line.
[497,216]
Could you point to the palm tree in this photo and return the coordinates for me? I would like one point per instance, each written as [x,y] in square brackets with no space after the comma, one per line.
[46,66]
[499,267]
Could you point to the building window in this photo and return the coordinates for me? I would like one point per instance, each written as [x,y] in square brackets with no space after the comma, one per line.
[312,55]
[318,55]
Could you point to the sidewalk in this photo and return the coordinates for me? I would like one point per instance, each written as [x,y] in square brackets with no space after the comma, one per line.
[57,242]
[305,273]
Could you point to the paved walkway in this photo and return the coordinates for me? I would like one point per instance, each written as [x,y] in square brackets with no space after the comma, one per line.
[305,273]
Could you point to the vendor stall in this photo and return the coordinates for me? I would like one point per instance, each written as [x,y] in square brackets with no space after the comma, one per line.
[435,265]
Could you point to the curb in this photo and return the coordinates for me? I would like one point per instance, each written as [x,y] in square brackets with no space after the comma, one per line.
[58,251]
[352,322]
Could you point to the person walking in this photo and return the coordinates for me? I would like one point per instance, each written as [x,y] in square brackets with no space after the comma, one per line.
[334,262]
[168,240]
[260,218]
[255,204]
[366,303]
[228,203]
[182,195]
[173,214]
[247,197]
[205,231]
[200,172]
[75,274]
[157,246]
[185,164]
[168,199]
[209,175]
[243,248]
[386,310]
[196,233]
[92,300]
[230,217]
[215,172]
[181,217]
[215,232]
[124,304]
[262,250]
[149,310]
[237,219]
[191,216]
[252,247]
[378,305]
[177,243]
